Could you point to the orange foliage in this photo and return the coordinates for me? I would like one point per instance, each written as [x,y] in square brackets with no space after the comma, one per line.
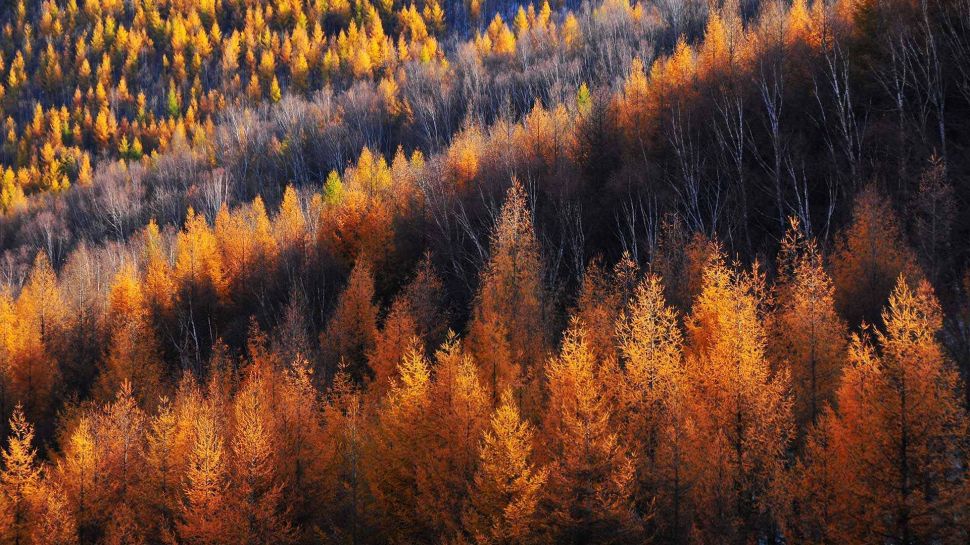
[19,482]
[25,329]
[869,257]
[504,499]
[602,299]
[881,465]
[506,330]
[740,409]
[591,474]
[808,337]
[133,354]
[198,262]
[352,330]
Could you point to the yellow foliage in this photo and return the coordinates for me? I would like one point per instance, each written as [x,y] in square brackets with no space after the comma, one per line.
[571,33]
[502,39]
[198,262]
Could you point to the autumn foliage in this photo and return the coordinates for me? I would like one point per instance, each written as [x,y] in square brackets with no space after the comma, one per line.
[755,413]
[366,272]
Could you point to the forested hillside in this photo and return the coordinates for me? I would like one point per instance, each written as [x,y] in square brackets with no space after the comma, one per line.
[470,272]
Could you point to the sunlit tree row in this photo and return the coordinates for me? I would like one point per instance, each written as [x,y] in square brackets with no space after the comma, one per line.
[754,415]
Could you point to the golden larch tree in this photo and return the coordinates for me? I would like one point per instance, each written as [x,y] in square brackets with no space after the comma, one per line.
[200,285]
[165,463]
[206,516]
[101,467]
[352,330]
[198,262]
[425,294]
[20,479]
[290,230]
[55,523]
[342,478]
[78,473]
[133,352]
[813,485]
[300,433]
[807,336]
[158,288]
[590,493]
[395,336]
[602,298]
[507,331]
[503,501]
[249,250]
[119,431]
[399,444]
[869,257]
[740,409]
[899,437]
[40,314]
[457,415]
[652,402]
[257,487]
[680,259]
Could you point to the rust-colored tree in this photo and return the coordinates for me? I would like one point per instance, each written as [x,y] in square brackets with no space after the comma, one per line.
[889,464]
[133,353]
[207,516]
[352,329]
[602,298]
[504,497]
[343,487]
[256,486]
[400,442]
[31,369]
[740,409]
[590,493]
[20,481]
[808,338]
[652,420]
[458,414]
[869,257]
[394,337]
[507,330]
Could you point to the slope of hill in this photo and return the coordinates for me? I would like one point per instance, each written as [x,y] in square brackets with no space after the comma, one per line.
[325,271]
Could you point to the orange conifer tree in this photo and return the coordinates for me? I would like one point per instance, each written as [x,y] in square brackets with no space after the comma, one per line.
[200,284]
[808,337]
[741,411]
[507,488]
[400,443]
[397,333]
[257,489]
[352,329]
[507,330]
[342,478]
[133,354]
[652,404]
[166,460]
[602,299]
[39,314]
[884,462]
[206,515]
[591,474]
[20,479]
[869,257]
[457,415]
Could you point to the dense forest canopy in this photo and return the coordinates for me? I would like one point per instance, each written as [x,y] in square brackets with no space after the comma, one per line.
[474,272]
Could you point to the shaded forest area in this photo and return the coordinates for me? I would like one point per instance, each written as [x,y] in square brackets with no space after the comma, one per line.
[311,271]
